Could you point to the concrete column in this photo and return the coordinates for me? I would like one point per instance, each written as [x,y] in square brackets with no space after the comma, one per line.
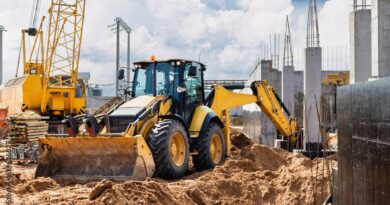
[256,123]
[288,91]
[312,92]
[268,130]
[298,96]
[251,112]
[360,45]
[380,33]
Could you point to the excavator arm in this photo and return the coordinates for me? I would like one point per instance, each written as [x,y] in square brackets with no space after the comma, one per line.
[265,97]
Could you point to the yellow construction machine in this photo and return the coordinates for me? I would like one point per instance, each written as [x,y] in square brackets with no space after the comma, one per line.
[49,85]
[167,120]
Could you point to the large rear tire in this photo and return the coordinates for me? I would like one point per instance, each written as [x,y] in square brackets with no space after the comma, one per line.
[169,145]
[211,148]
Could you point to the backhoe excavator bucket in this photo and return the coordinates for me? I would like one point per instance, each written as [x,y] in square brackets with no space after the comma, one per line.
[88,158]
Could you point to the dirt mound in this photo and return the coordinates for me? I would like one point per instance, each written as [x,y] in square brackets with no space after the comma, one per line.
[16,179]
[100,188]
[254,174]
[21,174]
[147,192]
[239,139]
[36,185]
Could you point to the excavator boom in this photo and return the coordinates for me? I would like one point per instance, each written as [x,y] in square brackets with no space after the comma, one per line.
[265,97]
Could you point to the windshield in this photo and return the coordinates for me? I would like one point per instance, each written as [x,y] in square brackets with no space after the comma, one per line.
[143,80]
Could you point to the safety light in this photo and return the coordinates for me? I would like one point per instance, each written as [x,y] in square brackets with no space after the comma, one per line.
[152,58]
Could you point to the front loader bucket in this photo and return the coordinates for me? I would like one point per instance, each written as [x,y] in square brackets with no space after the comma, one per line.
[88,158]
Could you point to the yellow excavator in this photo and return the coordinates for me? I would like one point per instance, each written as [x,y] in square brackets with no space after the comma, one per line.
[167,120]
[49,85]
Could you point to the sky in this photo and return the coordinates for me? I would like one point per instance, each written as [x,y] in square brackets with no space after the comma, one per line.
[227,35]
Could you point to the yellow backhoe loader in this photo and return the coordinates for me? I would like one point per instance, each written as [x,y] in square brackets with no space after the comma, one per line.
[167,120]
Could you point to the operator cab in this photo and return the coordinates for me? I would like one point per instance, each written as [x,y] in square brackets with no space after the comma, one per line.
[180,79]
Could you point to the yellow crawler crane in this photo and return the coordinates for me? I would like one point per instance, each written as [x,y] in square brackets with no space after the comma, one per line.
[167,120]
[49,85]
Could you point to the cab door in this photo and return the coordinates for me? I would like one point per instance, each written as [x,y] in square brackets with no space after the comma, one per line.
[193,94]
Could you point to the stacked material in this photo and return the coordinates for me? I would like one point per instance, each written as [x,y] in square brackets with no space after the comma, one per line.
[29,131]
[27,127]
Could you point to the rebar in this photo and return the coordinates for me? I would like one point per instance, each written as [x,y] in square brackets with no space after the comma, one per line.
[361,5]
[313,35]
[288,56]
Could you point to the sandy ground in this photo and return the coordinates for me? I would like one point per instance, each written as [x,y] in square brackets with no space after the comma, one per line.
[255,174]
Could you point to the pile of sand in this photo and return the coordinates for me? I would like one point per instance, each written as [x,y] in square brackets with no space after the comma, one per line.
[255,174]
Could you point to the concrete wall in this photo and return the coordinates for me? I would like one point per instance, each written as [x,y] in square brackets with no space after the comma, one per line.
[288,84]
[380,34]
[363,156]
[312,92]
[360,45]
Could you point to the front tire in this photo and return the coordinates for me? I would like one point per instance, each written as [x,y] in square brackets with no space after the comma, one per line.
[211,148]
[169,145]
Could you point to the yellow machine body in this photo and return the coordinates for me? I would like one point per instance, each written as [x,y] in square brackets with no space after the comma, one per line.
[127,155]
[130,142]
[49,84]
[26,93]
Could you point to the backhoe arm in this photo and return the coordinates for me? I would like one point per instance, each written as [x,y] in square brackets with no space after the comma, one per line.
[265,97]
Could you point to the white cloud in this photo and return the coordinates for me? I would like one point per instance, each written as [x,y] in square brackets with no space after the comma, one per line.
[334,21]
[227,33]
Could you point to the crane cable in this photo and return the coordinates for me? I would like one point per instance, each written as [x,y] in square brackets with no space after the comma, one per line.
[17,66]
[34,13]
[33,23]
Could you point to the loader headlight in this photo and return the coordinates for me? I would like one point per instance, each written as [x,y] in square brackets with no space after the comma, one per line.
[33,71]
[178,63]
